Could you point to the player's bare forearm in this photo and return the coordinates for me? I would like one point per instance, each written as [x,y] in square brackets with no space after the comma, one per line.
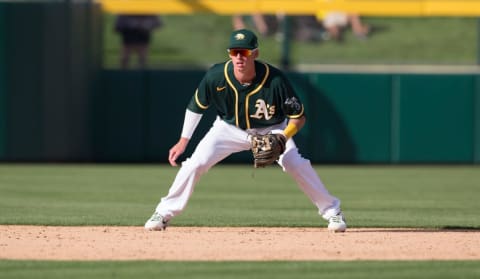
[177,150]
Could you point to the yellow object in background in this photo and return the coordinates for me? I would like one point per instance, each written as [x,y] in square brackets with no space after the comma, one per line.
[297,7]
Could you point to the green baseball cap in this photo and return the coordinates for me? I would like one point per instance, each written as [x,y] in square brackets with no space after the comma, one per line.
[243,38]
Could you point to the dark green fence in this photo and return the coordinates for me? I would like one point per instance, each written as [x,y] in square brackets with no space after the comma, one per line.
[3,82]
[352,118]
[136,116]
[398,117]
[50,66]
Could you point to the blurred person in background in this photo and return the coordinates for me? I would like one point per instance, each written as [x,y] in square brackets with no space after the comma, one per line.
[306,28]
[264,24]
[135,31]
[336,22]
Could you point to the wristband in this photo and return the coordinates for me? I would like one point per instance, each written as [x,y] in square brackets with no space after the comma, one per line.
[290,130]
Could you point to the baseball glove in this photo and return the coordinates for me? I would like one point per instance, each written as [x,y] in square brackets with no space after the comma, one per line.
[267,148]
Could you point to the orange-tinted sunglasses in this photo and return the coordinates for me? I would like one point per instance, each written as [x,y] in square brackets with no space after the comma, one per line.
[241,51]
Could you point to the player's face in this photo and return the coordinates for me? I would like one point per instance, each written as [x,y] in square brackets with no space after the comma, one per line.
[243,58]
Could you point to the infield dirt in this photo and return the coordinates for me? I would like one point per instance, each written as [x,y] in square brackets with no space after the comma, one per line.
[225,244]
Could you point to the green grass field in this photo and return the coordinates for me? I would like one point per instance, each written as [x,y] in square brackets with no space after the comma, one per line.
[238,195]
[231,270]
[397,41]
[372,196]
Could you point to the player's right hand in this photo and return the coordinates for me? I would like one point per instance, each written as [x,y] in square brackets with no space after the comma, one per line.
[177,150]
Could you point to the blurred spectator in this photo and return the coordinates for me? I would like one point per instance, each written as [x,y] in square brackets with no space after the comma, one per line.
[265,25]
[336,22]
[136,34]
[306,28]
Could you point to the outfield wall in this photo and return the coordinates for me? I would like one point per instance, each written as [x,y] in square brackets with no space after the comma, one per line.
[3,82]
[136,116]
[50,64]
[352,117]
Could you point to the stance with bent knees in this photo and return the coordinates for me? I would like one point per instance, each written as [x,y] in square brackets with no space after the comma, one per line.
[251,98]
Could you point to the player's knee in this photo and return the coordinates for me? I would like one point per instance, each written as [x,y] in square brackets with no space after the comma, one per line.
[199,167]
[291,160]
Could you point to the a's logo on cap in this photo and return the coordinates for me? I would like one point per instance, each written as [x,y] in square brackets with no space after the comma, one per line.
[239,37]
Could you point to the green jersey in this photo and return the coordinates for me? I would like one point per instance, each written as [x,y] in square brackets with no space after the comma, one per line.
[256,105]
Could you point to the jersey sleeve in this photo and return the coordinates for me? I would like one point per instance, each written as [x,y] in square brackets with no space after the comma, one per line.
[200,101]
[291,104]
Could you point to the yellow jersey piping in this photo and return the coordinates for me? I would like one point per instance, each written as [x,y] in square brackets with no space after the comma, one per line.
[267,73]
[198,101]
[225,72]
[297,115]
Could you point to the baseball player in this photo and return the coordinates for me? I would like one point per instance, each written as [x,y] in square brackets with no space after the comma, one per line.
[249,97]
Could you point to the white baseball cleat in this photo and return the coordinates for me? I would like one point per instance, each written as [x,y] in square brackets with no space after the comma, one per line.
[337,223]
[156,223]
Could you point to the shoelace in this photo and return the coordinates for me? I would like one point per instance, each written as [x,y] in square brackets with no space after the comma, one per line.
[336,219]
[156,217]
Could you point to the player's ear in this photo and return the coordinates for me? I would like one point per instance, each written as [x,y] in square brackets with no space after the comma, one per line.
[256,52]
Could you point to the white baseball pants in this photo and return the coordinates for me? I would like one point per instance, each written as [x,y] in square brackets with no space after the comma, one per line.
[224,139]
